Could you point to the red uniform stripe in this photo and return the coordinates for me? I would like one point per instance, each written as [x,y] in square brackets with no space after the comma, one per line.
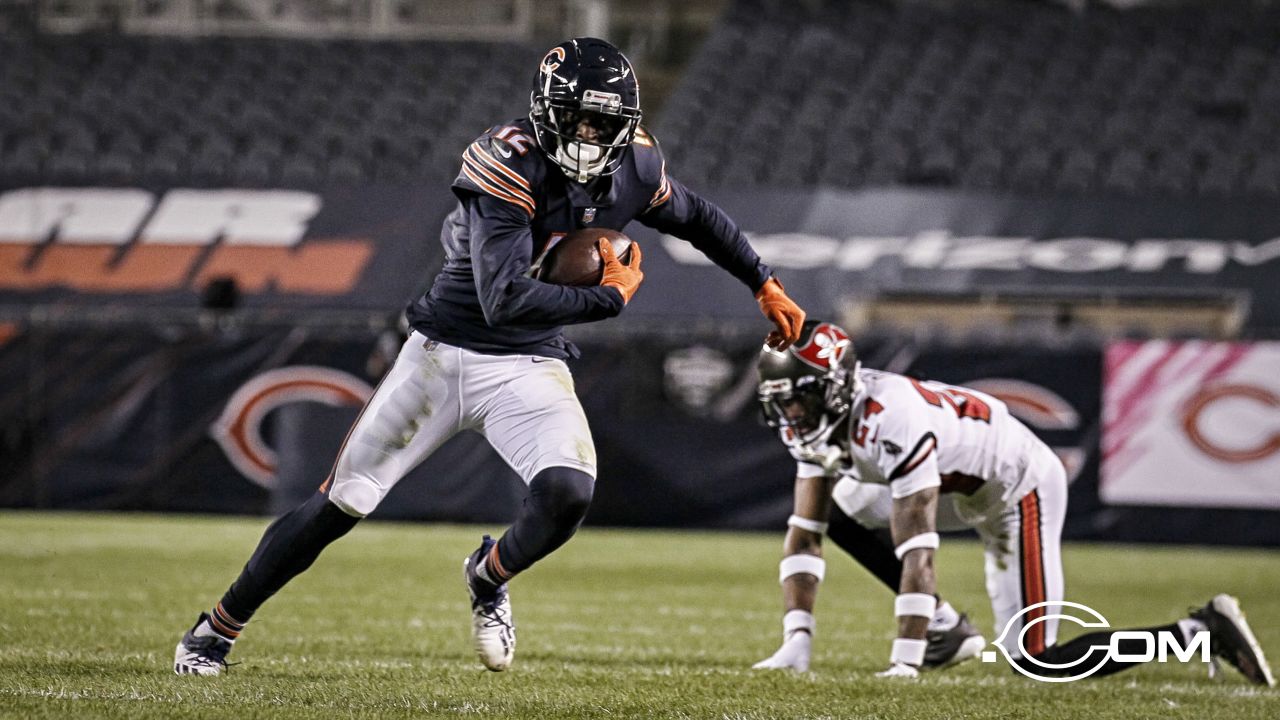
[1033,590]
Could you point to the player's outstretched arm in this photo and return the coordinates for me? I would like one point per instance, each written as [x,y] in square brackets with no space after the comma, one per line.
[679,211]
[915,538]
[786,316]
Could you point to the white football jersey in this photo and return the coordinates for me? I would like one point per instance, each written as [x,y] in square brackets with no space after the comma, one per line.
[911,435]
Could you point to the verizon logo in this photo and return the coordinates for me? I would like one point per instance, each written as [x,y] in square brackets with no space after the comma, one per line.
[940,250]
[130,240]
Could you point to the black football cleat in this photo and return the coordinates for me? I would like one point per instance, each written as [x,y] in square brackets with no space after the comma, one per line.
[1231,639]
[952,647]
[201,654]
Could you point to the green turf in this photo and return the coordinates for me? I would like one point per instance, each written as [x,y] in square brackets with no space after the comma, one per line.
[618,624]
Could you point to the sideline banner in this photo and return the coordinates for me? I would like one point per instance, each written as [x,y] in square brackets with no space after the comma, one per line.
[376,247]
[249,421]
[363,248]
[1192,424]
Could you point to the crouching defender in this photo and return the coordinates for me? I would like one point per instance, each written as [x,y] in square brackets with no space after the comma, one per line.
[923,442]
[487,350]
[858,524]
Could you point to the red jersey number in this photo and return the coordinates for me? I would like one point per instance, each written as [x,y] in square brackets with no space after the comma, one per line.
[964,403]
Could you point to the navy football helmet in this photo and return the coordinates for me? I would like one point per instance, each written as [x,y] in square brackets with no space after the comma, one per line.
[810,387]
[585,107]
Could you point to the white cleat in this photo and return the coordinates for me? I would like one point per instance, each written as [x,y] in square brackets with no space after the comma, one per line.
[200,654]
[793,655]
[900,670]
[493,630]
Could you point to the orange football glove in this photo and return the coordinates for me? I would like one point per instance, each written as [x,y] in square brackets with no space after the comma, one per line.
[786,316]
[626,278]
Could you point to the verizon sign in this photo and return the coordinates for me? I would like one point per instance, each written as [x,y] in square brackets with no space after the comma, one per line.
[941,250]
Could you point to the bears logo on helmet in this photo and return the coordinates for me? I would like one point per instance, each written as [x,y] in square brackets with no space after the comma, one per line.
[585,107]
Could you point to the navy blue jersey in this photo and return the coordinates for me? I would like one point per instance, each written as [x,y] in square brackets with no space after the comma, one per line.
[513,202]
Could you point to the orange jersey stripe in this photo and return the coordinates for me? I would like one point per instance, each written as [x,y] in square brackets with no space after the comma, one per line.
[663,193]
[512,175]
[510,189]
[494,190]
[478,161]
[223,628]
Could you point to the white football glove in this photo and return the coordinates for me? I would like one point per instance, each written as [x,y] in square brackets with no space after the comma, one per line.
[793,655]
[818,453]
[900,670]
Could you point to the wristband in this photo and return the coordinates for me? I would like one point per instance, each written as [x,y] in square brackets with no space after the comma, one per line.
[915,604]
[803,523]
[923,540]
[797,564]
[796,620]
[908,652]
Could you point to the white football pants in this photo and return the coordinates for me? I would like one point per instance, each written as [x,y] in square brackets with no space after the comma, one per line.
[524,405]
[1023,550]
[1022,543]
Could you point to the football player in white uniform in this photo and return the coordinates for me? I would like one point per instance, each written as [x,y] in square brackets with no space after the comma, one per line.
[859,525]
[926,443]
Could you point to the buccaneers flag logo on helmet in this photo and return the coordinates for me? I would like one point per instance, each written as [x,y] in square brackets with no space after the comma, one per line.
[825,347]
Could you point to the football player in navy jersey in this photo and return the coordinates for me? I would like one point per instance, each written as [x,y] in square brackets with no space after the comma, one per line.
[486,351]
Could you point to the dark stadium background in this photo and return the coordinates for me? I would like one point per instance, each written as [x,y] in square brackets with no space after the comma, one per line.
[197,193]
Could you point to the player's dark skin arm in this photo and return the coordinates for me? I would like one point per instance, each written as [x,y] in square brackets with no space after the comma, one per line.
[812,501]
[913,515]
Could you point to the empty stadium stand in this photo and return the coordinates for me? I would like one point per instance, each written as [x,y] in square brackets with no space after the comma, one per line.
[1006,95]
[105,109]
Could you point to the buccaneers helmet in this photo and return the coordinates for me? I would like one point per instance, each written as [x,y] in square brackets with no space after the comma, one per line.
[811,386]
[585,107]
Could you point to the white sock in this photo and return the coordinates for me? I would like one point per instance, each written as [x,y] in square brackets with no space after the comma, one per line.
[1189,627]
[944,618]
[482,572]
[204,629]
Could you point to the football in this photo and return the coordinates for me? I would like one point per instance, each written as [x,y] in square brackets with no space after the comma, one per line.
[575,259]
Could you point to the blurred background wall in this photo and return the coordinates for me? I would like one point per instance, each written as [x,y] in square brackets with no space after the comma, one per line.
[212,213]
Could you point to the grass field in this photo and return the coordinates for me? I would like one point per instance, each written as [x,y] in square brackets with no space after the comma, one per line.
[618,624]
